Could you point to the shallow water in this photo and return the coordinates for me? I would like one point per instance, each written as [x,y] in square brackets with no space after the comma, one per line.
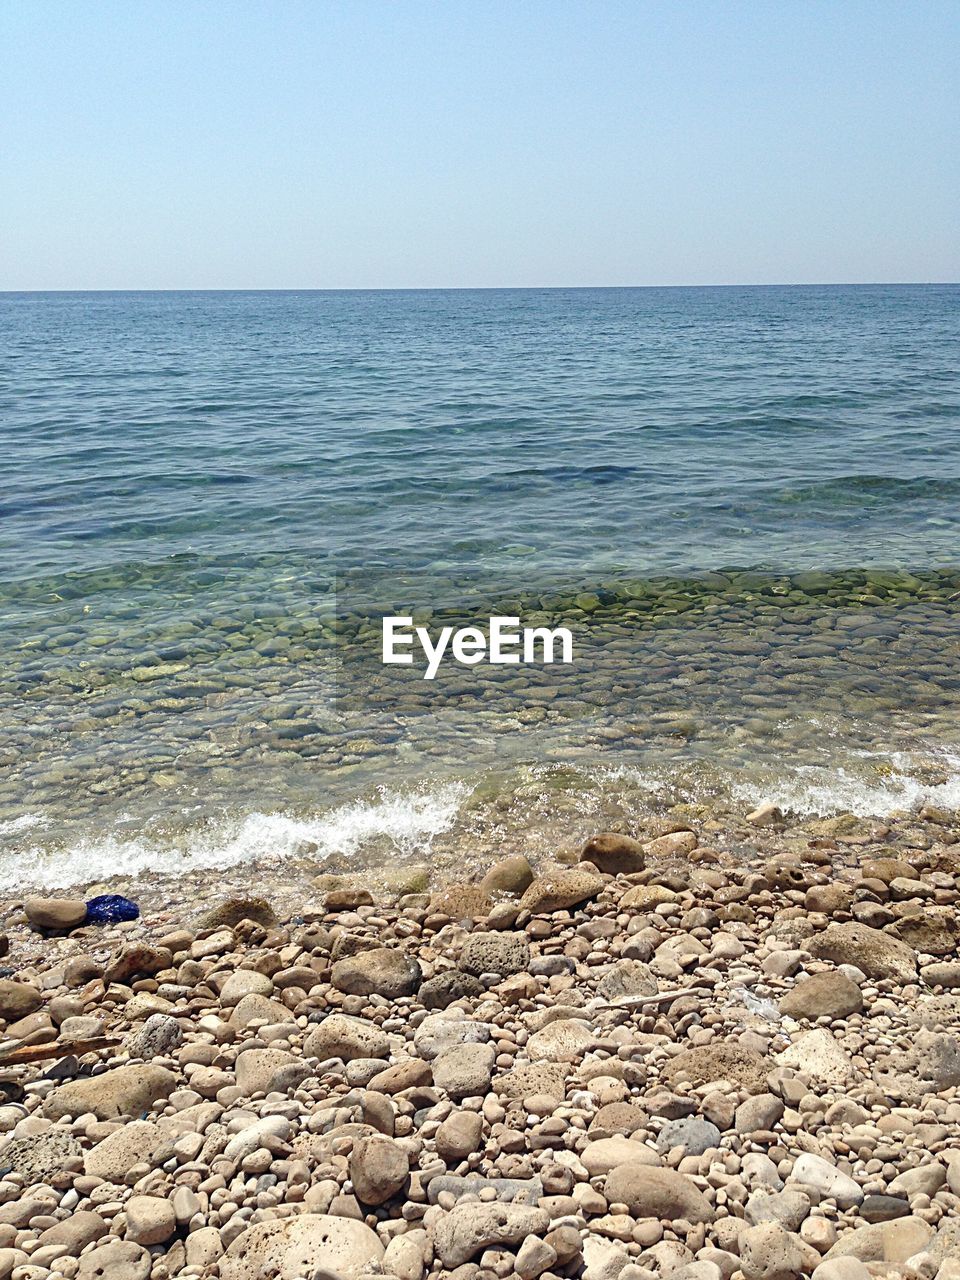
[209,499]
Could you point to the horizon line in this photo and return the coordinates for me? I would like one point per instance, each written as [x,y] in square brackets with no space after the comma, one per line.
[491,288]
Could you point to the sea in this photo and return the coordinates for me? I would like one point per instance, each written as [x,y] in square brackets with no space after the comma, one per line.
[744,503]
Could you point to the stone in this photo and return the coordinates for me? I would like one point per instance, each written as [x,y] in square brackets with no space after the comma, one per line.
[467,1229]
[465,1070]
[787,1209]
[150,1220]
[530,1079]
[617,1119]
[133,1144]
[874,953]
[461,902]
[55,913]
[894,1241]
[675,844]
[694,1135]
[75,1232]
[269,1071]
[765,815]
[382,971]
[256,1135]
[604,1154]
[301,1245]
[254,1008]
[509,875]
[767,1252]
[229,913]
[441,1031]
[345,1037]
[614,854]
[930,1065]
[527,1191]
[559,890]
[500,953]
[719,1060]
[825,995]
[41,1156]
[883,1208]
[650,1192]
[563,1040]
[625,979]
[829,1182]
[444,988]
[818,1055]
[758,1114]
[459,1136]
[378,1169]
[159,1035]
[121,1091]
[646,897]
[841,1269]
[533,1258]
[116,1260]
[244,982]
[18,999]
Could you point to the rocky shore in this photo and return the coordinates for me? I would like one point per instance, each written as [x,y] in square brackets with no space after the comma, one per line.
[702,1048]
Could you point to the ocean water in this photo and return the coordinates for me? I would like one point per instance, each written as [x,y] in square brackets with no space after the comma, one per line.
[745,503]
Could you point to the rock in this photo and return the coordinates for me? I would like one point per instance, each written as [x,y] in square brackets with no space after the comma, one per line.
[465,1070]
[505,1190]
[256,1135]
[815,1172]
[930,1065]
[676,844]
[459,1136]
[461,902]
[269,1071]
[378,1169]
[383,971]
[137,959]
[604,1154]
[156,1038]
[347,899]
[254,1008]
[405,1075]
[758,1114]
[625,979]
[657,1193]
[563,1040]
[500,953]
[55,913]
[440,1032]
[133,1144]
[116,1260]
[121,1091]
[150,1220]
[443,989]
[876,954]
[818,1055]
[18,999]
[301,1245]
[617,1119]
[228,914]
[944,974]
[767,1252]
[765,815]
[841,1269]
[883,1208]
[534,1257]
[614,854]
[646,897]
[720,1060]
[884,1241]
[694,1135]
[467,1229]
[509,875]
[41,1156]
[825,995]
[560,890]
[530,1079]
[932,931]
[75,1232]
[348,1038]
[244,982]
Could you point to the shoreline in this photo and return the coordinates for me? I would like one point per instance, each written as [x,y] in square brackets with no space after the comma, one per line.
[721,1048]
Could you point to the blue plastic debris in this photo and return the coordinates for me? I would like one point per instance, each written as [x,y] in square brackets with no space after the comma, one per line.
[111,908]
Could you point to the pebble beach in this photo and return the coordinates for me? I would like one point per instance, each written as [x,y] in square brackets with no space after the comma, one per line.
[705,1046]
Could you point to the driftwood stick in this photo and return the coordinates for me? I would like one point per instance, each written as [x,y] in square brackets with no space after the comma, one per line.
[40,1052]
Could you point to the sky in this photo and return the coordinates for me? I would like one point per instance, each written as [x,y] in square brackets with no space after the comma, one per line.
[477,143]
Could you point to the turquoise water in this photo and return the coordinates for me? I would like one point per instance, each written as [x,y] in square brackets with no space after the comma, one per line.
[744,501]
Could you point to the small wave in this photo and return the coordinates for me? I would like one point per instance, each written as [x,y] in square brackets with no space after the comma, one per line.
[813,790]
[402,824]
[25,822]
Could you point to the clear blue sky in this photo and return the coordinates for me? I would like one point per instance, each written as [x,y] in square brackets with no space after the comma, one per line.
[364,143]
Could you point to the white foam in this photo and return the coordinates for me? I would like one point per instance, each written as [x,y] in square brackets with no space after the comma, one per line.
[404,823]
[26,821]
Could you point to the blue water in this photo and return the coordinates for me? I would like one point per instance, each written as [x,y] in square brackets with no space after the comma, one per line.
[190,479]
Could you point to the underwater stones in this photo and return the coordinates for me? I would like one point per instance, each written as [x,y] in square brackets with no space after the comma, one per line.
[559,890]
[383,971]
[613,853]
[231,911]
[876,954]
